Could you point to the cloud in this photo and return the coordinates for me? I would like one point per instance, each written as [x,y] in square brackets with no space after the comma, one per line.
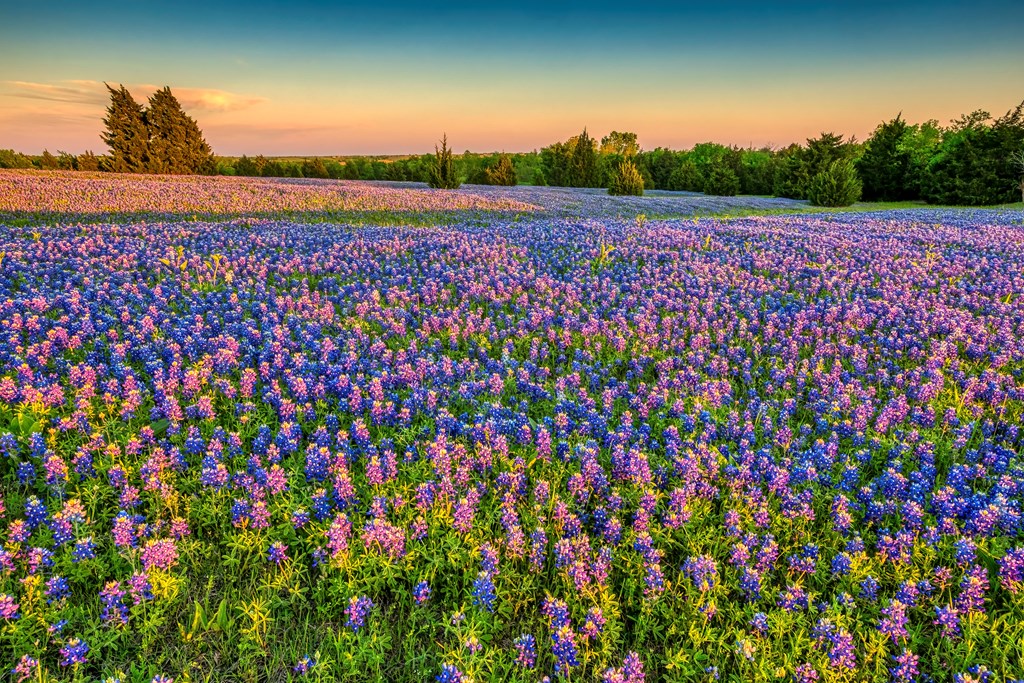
[95,93]
[76,92]
[209,99]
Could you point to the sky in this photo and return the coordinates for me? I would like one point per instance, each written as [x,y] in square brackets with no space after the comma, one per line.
[333,78]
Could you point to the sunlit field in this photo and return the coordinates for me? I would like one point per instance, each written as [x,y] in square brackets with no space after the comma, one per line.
[271,429]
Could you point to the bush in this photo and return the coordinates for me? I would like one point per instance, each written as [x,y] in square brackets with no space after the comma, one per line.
[838,185]
[502,172]
[686,177]
[48,162]
[443,175]
[722,182]
[314,168]
[11,159]
[87,161]
[627,180]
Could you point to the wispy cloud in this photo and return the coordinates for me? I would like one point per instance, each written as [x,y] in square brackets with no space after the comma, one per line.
[74,92]
[95,93]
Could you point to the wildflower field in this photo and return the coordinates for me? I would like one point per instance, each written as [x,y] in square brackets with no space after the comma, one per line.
[532,434]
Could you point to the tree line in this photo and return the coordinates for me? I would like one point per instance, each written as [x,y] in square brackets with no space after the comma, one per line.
[976,159]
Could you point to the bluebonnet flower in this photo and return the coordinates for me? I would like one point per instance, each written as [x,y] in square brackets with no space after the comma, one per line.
[357,611]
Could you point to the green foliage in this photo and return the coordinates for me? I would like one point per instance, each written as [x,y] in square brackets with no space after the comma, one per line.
[1018,164]
[442,171]
[974,163]
[87,161]
[838,185]
[66,161]
[272,169]
[799,165]
[658,164]
[627,180]
[722,182]
[250,167]
[176,145]
[11,159]
[314,168]
[502,172]
[160,139]
[126,134]
[583,162]
[756,171]
[885,167]
[686,177]
[48,162]
[622,144]
[572,163]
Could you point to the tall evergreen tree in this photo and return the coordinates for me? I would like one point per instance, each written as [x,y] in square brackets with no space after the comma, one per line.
[176,144]
[583,170]
[885,168]
[442,172]
[125,133]
[502,172]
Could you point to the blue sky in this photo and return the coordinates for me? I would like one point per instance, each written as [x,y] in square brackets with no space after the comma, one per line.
[333,78]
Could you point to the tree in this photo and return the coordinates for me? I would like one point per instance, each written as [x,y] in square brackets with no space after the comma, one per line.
[11,159]
[442,171]
[627,180]
[885,167]
[315,168]
[502,172]
[686,177]
[973,165]
[66,161]
[1018,162]
[838,185]
[659,164]
[271,168]
[176,145]
[583,163]
[126,134]
[87,161]
[756,171]
[623,144]
[48,162]
[722,181]
[246,167]
[799,165]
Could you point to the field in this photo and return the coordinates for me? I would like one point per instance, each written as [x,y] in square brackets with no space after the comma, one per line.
[257,430]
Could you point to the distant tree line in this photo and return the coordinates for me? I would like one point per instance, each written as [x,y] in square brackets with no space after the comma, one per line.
[975,160]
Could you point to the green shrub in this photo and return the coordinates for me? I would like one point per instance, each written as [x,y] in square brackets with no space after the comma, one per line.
[87,161]
[502,172]
[686,177]
[627,180]
[443,175]
[11,159]
[48,162]
[314,168]
[838,185]
[722,182]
